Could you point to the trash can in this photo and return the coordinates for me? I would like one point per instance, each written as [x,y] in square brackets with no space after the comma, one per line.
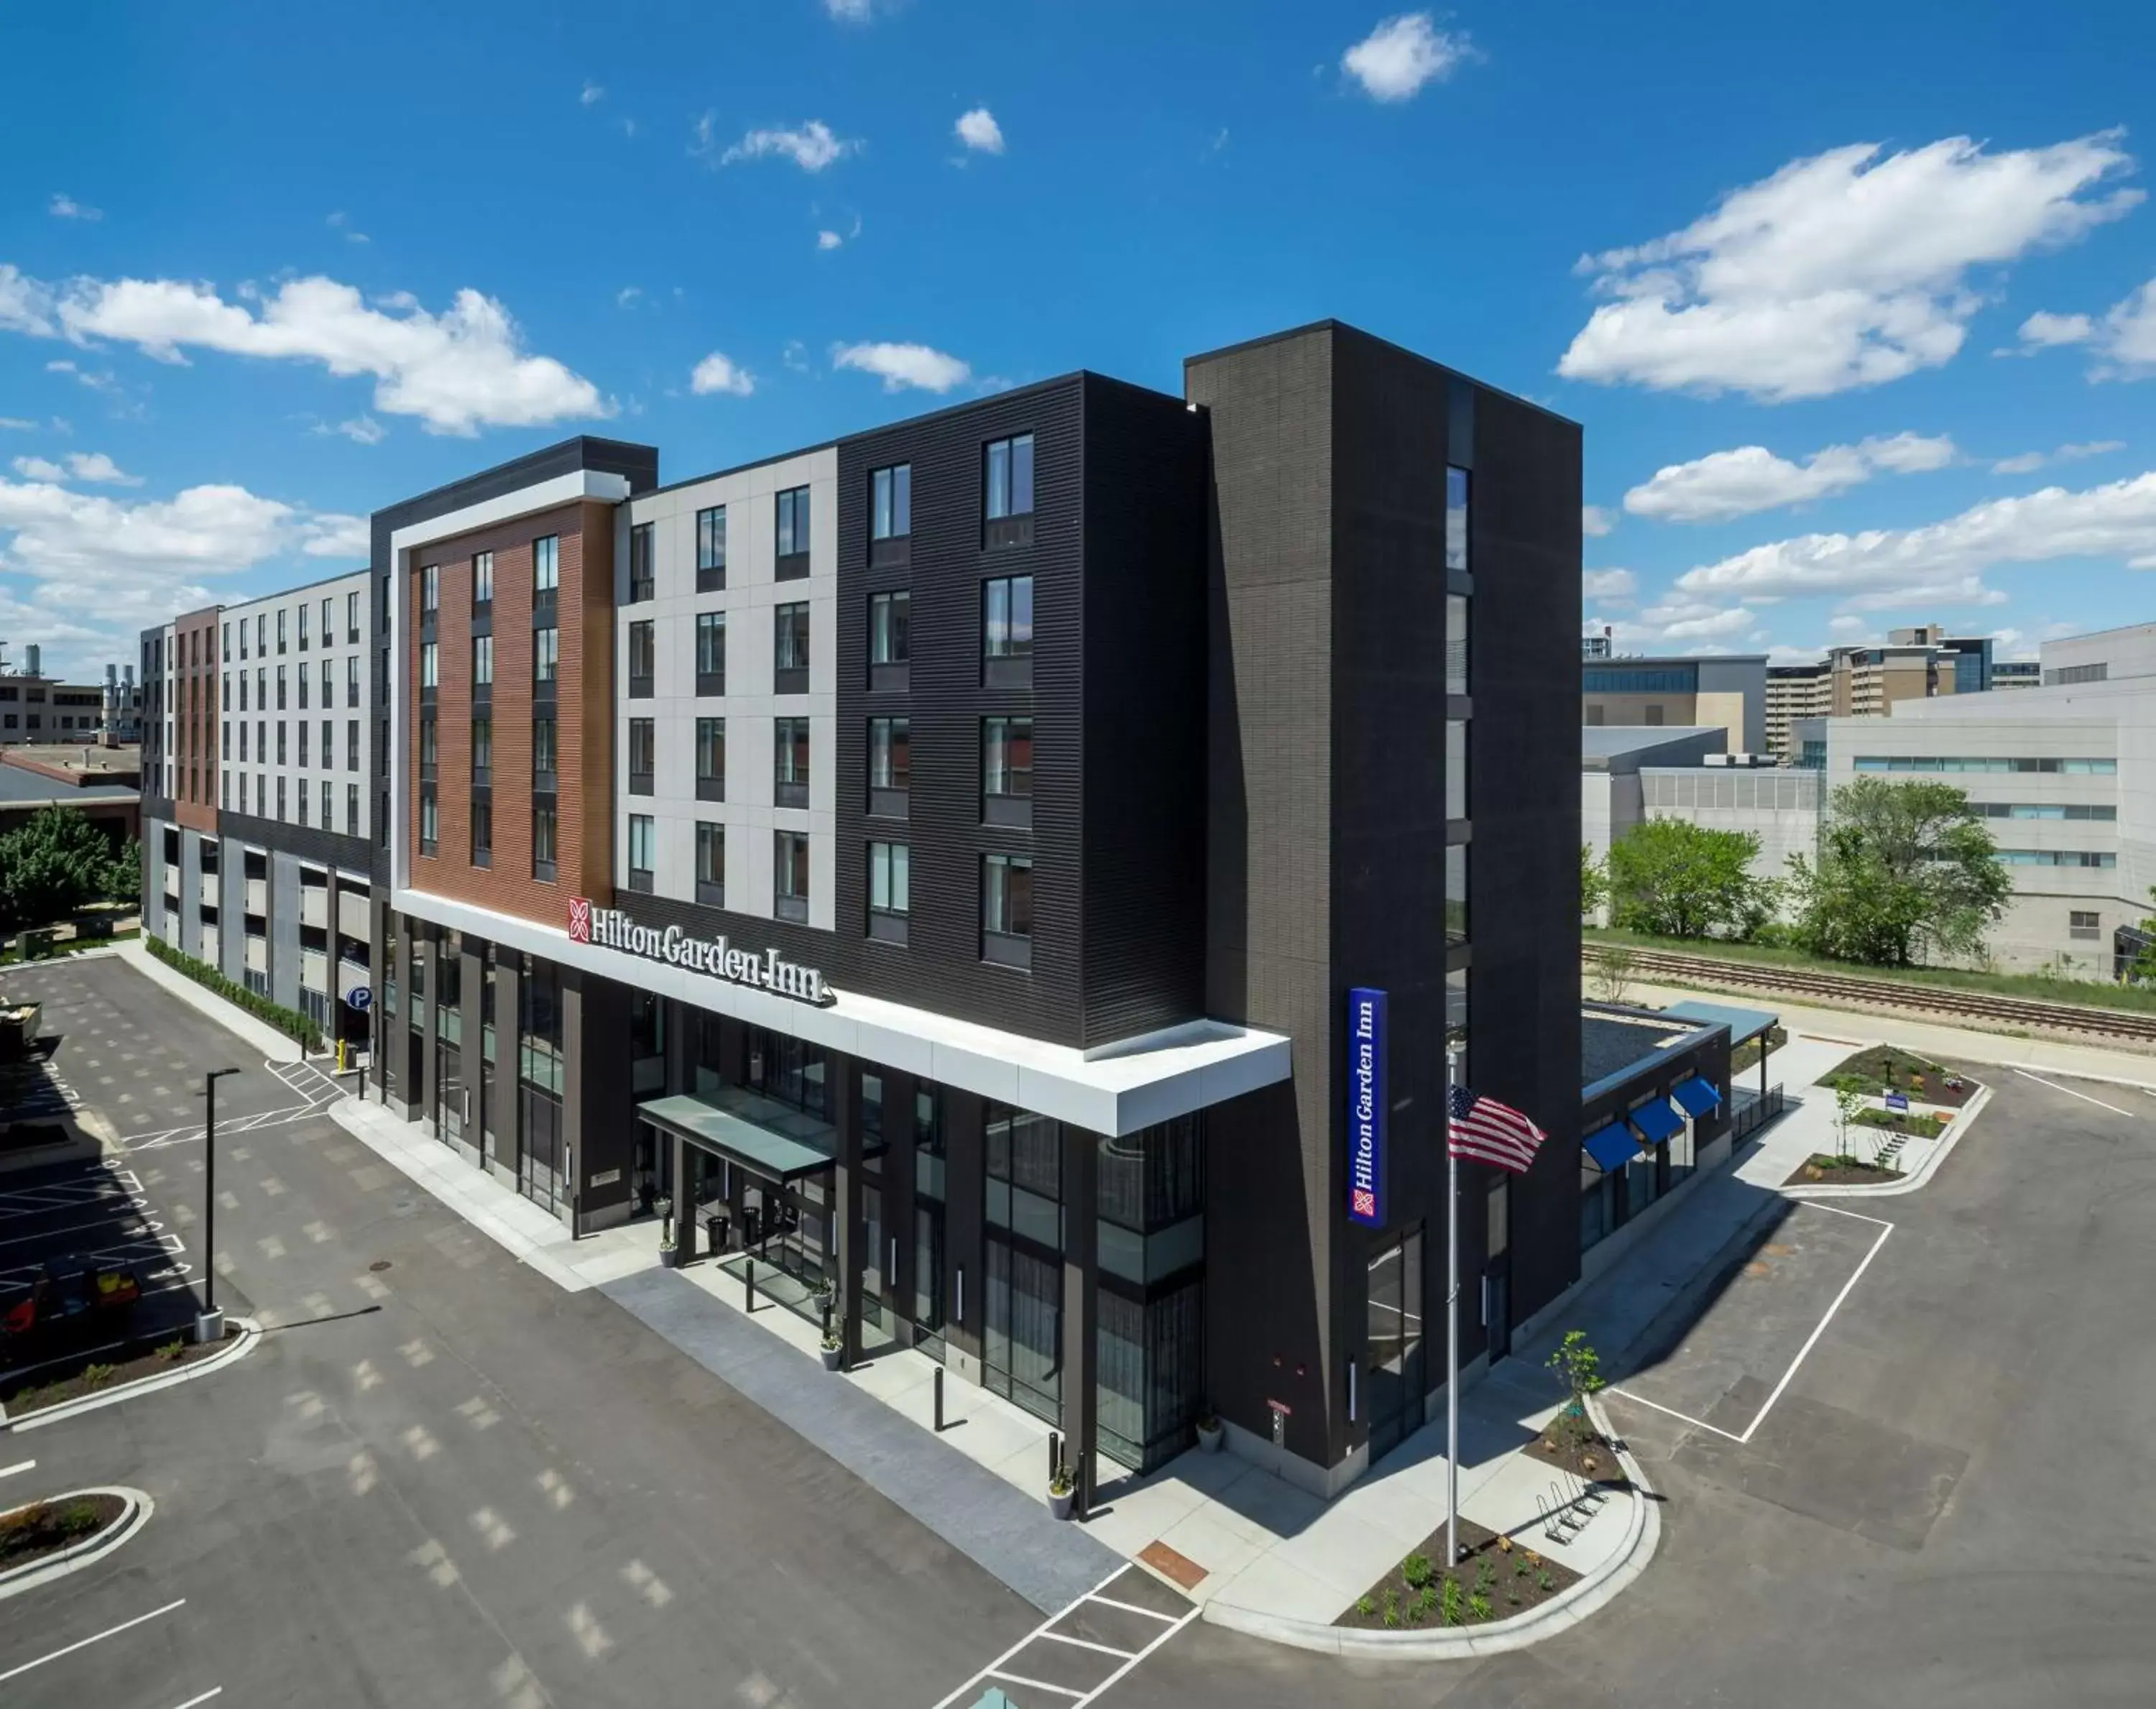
[715,1231]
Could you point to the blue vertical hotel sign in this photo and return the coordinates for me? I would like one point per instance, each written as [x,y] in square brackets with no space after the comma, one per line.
[1366,1107]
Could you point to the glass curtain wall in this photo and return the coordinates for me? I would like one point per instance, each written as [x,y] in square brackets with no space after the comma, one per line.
[1023,1344]
[928,1198]
[541,1174]
[1150,1337]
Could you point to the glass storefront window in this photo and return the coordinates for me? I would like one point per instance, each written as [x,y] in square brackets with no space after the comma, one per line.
[1151,1367]
[789,1070]
[539,1026]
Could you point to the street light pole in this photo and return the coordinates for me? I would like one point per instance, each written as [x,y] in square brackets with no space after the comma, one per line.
[209,1197]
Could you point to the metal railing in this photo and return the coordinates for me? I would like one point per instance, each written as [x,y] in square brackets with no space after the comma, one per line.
[1754,1112]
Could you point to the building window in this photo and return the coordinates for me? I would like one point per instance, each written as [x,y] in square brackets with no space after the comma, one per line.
[545,652]
[352,809]
[1007,631]
[890,511]
[792,534]
[888,865]
[280,683]
[641,651]
[482,829]
[1456,804]
[303,800]
[303,744]
[429,671]
[790,874]
[1007,910]
[888,640]
[430,597]
[303,684]
[351,681]
[280,744]
[789,635]
[427,753]
[1456,484]
[329,744]
[710,652]
[790,761]
[547,563]
[1456,893]
[227,642]
[710,864]
[1022,1349]
[2084,924]
[711,549]
[642,855]
[261,796]
[542,839]
[351,611]
[891,766]
[542,753]
[641,581]
[1007,494]
[1006,771]
[710,759]
[262,633]
[350,745]
[482,751]
[482,661]
[303,626]
[228,739]
[280,641]
[243,689]
[1456,643]
[482,577]
[643,751]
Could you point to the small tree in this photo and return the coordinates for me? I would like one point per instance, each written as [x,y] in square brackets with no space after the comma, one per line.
[1905,871]
[1674,878]
[1848,1103]
[52,865]
[1593,883]
[1580,1367]
[1613,972]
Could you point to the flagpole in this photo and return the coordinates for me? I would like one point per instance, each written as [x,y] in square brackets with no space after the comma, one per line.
[1451,1324]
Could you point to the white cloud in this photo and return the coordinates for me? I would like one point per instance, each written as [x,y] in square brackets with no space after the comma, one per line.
[1843,270]
[1401,55]
[1944,561]
[363,430]
[457,371]
[1596,521]
[1609,584]
[26,305]
[2029,461]
[97,468]
[1731,483]
[850,11]
[65,207]
[627,295]
[2130,335]
[978,130]
[342,222]
[829,240]
[2045,330]
[1682,626]
[717,373]
[904,365]
[592,94]
[86,572]
[17,422]
[795,356]
[812,147]
[38,469]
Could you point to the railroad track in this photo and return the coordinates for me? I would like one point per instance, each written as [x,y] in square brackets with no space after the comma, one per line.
[1885,993]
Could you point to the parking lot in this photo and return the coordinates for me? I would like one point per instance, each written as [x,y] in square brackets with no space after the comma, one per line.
[54,1218]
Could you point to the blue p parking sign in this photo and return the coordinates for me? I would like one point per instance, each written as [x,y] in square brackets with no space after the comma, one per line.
[359,997]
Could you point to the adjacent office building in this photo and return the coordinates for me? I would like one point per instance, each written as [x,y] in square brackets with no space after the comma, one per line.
[256,720]
[981,869]
[1727,691]
[1921,663]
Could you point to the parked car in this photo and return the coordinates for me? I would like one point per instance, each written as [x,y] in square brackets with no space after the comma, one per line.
[73,1301]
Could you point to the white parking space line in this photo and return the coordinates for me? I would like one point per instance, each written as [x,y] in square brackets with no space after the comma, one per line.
[94,1638]
[999,1669]
[19,1466]
[213,1692]
[2071,1093]
[1128,1608]
[1019,1679]
[1087,1644]
[1672,1412]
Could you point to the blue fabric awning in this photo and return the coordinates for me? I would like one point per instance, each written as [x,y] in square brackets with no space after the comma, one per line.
[1611,1147]
[1697,1096]
[1657,1121]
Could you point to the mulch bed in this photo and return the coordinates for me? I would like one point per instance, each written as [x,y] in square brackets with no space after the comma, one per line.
[29,1534]
[1885,1069]
[1495,1584]
[1585,1453]
[92,1373]
[1824,1171]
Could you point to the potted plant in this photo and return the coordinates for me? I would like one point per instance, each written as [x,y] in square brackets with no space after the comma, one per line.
[1062,1492]
[669,1251]
[835,1349]
[1210,1432]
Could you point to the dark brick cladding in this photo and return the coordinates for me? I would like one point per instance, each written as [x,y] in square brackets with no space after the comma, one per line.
[1116,700]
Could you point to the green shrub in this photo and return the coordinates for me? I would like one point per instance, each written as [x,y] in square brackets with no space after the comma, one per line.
[1417,1570]
[288,1021]
[96,1375]
[1448,1602]
[78,1518]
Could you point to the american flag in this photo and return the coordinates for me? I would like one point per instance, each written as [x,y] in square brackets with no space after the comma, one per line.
[1484,1131]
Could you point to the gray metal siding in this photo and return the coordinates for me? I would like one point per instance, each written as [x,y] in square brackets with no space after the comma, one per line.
[284,930]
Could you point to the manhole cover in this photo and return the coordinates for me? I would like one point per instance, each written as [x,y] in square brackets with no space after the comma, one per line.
[379,1264]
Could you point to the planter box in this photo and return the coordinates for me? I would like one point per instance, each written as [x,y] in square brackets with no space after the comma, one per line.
[19,1032]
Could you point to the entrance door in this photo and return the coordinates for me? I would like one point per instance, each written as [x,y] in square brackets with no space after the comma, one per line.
[449,1092]
[1396,1342]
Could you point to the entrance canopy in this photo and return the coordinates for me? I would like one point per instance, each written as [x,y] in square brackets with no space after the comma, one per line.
[1743,1024]
[764,1136]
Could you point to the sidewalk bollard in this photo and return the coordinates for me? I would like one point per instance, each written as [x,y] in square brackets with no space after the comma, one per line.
[939,1400]
[748,1287]
[1054,1454]
[1079,1477]
[827,1323]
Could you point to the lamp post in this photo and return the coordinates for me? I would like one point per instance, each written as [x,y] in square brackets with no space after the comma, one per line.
[210,1325]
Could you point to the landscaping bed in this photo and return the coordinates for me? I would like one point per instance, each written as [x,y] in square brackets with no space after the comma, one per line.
[1915,1121]
[29,1535]
[1825,1171]
[57,1380]
[1582,1451]
[1497,1578]
[1885,1069]
[1746,1054]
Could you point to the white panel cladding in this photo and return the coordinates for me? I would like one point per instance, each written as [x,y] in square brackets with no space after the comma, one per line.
[253,782]
[751,706]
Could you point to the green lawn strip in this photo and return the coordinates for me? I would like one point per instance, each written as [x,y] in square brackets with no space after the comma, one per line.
[2037,987]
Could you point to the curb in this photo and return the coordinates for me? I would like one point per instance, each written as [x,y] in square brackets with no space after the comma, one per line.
[1923,1174]
[1600,1588]
[73,1559]
[243,1344]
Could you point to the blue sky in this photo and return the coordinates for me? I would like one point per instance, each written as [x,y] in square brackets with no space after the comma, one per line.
[264,267]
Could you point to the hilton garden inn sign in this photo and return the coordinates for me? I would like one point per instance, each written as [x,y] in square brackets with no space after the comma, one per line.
[716,957]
